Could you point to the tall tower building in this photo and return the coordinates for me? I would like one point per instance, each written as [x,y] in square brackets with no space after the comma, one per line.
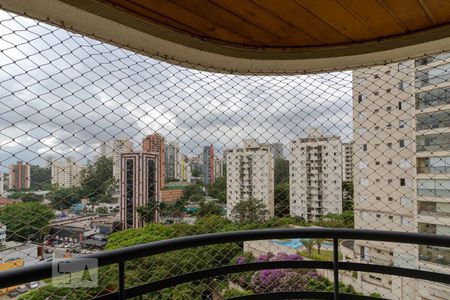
[347,162]
[2,185]
[383,171]
[155,143]
[139,187]
[316,176]
[208,165]
[172,161]
[66,174]
[19,176]
[250,174]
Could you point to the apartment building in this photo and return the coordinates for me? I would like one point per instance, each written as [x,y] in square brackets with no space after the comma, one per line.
[347,162]
[154,143]
[250,174]
[218,167]
[172,161]
[66,174]
[402,182]
[2,235]
[186,172]
[19,176]
[315,170]
[139,186]
[208,165]
[2,185]
[112,149]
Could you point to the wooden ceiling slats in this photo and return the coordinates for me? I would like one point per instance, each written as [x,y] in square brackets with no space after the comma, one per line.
[224,18]
[339,18]
[257,15]
[143,12]
[376,16]
[175,12]
[410,13]
[290,23]
[301,19]
[440,9]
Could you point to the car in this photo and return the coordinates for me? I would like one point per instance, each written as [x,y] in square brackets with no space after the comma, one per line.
[13,294]
[33,284]
[22,289]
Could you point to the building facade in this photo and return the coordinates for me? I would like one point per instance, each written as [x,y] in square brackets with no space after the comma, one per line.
[2,234]
[154,143]
[66,174]
[402,178]
[2,185]
[315,176]
[172,161]
[186,172]
[250,174]
[208,165]
[19,176]
[139,187]
[347,162]
[218,167]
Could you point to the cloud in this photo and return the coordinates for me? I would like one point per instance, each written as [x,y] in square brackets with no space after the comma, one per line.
[64,94]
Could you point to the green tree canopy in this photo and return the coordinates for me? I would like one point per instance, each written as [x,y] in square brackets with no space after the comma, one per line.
[26,221]
[218,189]
[40,178]
[97,180]
[281,195]
[249,211]
[209,209]
[281,171]
[64,198]
[347,196]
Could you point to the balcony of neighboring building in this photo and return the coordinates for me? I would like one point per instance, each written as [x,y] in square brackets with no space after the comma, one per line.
[435,143]
[434,254]
[433,122]
[437,188]
[433,167]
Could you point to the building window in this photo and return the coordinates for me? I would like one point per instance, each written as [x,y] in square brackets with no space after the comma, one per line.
[364,181]
[405,221]
[389,145]
[363,198]
[389,181]
[364,147]
[388,108]
[405,163]
[378,198]
[402,124]
[390,199]
[405,201]
[405,182]
[363,215]
[403,143]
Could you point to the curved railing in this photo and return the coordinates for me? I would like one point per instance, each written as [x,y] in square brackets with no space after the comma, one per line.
[120,256]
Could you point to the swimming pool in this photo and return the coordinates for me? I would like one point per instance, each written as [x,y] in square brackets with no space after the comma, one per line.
[296,244]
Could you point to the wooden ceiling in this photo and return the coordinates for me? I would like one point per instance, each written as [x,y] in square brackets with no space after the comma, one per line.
[289,23]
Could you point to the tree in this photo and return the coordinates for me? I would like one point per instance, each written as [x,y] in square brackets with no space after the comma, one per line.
[101,211]
[347,196]
[147,213]
[40,178]
[281,171]
[26,221]
[309,245]
[64,198]
[196,173]
[319,242]
[249,211]
[96,180]
[30,197]
[218,189]
[281,194]
[209,209]
[193,193]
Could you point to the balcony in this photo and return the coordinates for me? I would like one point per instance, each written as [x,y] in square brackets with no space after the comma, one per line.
[432,121]
[119,260]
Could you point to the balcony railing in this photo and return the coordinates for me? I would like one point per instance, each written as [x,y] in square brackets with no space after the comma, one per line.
[433,170]
[433,192]
[119,257]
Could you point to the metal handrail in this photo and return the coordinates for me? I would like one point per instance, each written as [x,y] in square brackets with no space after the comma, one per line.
[120,256]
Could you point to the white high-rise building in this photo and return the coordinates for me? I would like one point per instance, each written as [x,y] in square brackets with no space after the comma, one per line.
[316,176]
[66,174]
[2,185]
[186,172]
[218,167]
[113,149]
[347,162]
[402,170]
[173,161]
[250,174]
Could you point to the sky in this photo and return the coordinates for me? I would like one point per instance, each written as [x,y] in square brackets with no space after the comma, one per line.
[63,94]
